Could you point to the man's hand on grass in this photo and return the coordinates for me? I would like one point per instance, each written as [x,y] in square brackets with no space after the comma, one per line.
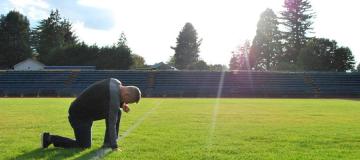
[126,108]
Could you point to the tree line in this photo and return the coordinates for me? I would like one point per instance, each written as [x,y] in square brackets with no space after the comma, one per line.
[272,49]
[53,42]
[291,49]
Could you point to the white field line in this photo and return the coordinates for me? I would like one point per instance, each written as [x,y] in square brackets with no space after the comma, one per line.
[139,121]
[99,154]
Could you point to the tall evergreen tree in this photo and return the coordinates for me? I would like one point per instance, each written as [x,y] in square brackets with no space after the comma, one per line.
[297,20]
[187,48]
[266,46]
[52,33]
[343,60]
[69,36]
[14,39]
[122,41]
[240,59]
[358,68]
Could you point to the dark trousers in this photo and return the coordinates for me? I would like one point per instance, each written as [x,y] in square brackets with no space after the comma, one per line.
[82,131]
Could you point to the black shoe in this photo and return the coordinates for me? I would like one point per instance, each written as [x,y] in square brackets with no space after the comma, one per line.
[45,140]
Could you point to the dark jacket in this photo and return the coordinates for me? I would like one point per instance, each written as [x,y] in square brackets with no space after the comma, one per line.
[101,100]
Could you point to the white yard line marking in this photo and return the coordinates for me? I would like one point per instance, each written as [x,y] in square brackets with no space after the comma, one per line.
[102,152]
[139,121]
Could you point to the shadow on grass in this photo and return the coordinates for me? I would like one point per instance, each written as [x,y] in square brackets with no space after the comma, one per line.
[99,153]
[51,153]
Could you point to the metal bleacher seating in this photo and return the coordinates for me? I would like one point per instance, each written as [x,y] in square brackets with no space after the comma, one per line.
[336,84]
[32,83]
[230,84]
[82,79]
[185,83]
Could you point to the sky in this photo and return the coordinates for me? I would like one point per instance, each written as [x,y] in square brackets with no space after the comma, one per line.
[152,26]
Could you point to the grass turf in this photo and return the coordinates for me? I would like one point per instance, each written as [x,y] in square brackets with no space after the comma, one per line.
[193,129]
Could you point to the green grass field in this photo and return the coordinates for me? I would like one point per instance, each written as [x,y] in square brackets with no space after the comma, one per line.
[193,129]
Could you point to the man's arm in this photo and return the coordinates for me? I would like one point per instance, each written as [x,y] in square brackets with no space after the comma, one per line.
[113,118]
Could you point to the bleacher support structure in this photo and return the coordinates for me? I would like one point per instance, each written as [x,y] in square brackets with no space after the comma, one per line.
[184,83]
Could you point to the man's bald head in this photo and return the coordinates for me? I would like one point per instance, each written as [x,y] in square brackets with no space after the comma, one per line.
[130,94]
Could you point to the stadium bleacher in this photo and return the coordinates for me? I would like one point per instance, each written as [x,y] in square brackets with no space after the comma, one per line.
[32,83]
[185,83]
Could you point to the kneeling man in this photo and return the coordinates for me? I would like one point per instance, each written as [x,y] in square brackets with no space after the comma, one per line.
[101,100]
